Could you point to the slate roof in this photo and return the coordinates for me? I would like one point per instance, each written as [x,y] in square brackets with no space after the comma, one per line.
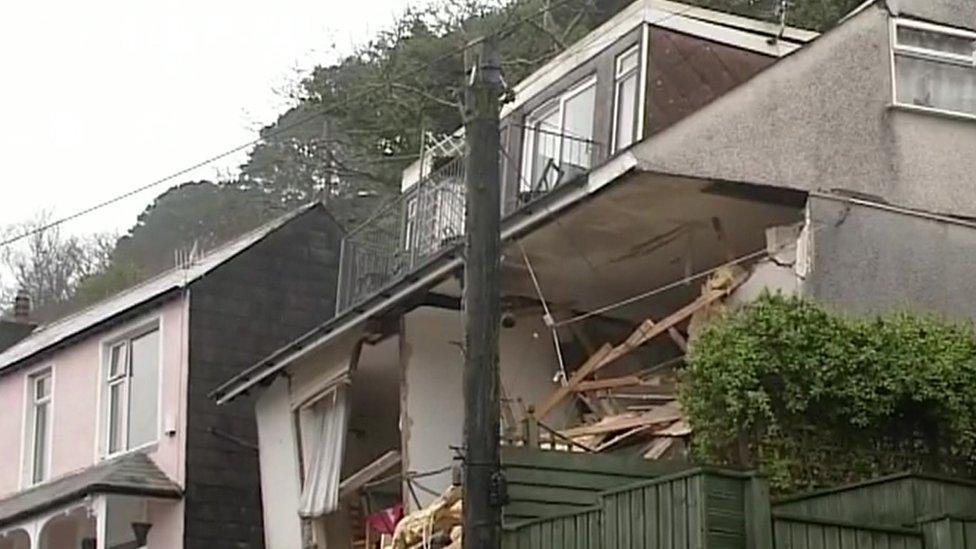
[131,474]
[58,331]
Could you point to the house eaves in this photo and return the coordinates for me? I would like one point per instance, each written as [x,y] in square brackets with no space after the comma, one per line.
[725,28]
[64,331]
[404,289]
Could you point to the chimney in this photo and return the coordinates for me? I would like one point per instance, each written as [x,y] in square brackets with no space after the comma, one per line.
[22,305]
[18,326]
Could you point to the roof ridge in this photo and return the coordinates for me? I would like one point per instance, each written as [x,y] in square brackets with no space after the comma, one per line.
[192,272]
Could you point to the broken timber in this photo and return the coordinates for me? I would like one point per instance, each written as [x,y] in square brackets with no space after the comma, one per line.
[645,332]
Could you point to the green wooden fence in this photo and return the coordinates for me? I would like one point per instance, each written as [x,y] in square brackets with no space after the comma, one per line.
[576,530]
[693,509]
[797,532]
[544,483]
[950,531]
[897,500]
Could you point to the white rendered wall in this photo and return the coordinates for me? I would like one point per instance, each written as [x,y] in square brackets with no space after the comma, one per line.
[434,405]
[278,455]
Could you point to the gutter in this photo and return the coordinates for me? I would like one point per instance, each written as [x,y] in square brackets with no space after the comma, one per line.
[515,226]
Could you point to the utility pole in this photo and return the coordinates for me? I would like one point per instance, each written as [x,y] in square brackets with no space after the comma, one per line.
[484,487]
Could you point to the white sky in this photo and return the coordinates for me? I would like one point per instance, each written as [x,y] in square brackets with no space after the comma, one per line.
[101,96]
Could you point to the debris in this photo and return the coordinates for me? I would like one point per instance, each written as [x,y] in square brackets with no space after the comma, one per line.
[636,410]
[441,517]
[657,448]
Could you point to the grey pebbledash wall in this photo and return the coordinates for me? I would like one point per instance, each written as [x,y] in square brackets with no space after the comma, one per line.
[257,302]
[821,119]
[869,260]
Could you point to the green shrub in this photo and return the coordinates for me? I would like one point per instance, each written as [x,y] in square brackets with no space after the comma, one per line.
[813,398]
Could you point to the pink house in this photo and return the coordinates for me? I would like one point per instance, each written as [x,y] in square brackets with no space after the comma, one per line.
[107,438]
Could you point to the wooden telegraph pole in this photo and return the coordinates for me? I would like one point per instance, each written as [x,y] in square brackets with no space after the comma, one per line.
[484,487]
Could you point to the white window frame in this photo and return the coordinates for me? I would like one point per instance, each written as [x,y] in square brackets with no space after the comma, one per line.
[411,206]
[558,103]
[618,77]
[103,431]
[29,429]
[930,55]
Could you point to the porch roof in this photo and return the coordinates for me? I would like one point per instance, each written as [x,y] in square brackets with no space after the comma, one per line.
[131,474]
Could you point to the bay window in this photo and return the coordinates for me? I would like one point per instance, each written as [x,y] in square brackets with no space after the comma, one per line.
[131,389]
[934,67]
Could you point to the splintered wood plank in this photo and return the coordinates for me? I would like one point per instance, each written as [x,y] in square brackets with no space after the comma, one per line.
[622,437]
[662,414]
[647,331]
[608,383]
[679,428]
[579,375]
[658,448]
[363,476]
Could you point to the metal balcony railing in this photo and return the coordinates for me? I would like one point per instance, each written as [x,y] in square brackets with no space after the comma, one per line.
[403,234]
[429,217]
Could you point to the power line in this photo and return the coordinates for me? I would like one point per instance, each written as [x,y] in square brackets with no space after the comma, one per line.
[304,120]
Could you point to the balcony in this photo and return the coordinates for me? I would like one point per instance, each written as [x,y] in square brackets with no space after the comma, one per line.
[429,217]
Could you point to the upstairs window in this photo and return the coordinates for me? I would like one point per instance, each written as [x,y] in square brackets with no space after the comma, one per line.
[625,97]
[935,67]
[131,403]
[558,139]
[38,427]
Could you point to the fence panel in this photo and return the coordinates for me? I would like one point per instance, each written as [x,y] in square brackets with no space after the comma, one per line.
[792,532]
[578,530]
[950,532]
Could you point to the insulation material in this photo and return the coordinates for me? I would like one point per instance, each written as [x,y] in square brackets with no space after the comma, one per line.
[441,519]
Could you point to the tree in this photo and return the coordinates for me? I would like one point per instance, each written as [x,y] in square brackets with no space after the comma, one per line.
[400,90]
[198,215]
[50,265]
[356,124]
[396,92]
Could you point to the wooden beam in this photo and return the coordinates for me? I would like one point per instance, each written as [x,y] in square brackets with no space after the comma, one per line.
[657,448]
[579,375]
[662,414]
[621,437]
[608,383]
[647,331]
[608,406]
[362,477]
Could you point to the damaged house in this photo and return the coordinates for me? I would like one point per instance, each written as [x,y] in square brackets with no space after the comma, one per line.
[674,161]
[360,420]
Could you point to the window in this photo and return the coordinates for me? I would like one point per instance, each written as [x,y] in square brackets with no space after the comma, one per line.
[38,431]
[558,138]
[625,94]
[934,67]
[132,392]
[410,223]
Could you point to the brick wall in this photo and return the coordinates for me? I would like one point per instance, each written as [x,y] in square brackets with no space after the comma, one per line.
[241,312]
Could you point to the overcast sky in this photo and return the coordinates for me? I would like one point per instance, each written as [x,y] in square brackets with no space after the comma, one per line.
[102,96]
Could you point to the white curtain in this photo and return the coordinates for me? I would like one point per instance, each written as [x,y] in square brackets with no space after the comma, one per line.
[329,417]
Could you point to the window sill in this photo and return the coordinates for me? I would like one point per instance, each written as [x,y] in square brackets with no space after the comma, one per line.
[145,448]
[932,111]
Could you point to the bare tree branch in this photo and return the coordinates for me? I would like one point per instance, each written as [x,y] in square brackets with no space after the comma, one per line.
[424,94]
[558,41]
